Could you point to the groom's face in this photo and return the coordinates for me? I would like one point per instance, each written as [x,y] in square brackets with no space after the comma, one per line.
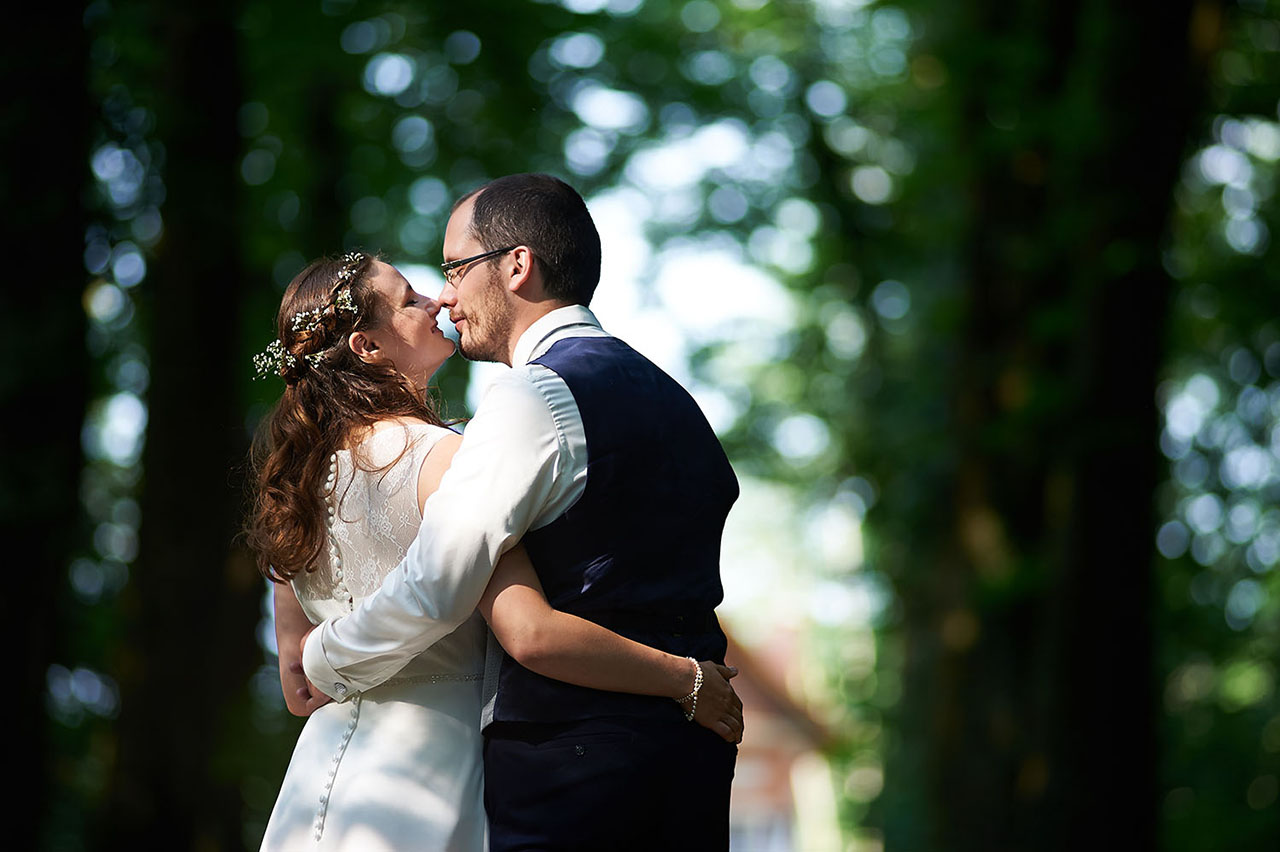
[477,301]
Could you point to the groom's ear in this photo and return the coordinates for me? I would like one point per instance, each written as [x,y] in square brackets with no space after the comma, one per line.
[522,270]
[365,347]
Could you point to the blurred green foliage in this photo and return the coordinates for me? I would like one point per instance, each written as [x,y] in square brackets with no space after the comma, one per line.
[1219,599]
[1011,231]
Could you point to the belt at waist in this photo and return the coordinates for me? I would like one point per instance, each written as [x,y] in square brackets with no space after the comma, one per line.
[676,624]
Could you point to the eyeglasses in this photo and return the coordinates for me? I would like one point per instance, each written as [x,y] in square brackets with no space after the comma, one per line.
[452,269]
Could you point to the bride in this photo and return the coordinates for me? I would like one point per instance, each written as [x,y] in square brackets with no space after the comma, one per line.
[344,464]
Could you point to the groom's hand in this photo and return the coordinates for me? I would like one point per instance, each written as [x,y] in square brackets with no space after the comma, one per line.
[719,707]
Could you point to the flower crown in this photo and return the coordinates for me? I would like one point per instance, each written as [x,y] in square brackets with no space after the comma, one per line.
[275,359]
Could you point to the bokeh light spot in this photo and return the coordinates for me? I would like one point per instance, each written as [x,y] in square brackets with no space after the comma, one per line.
[846,332]
[364,36]
[257,167]
[586,150]
[388,74]
[890,23]
[1246,236]
[845,136]
[584,7]
[411,133]
[1264,551]
[1246,683]
[727,205]
[577,50]
[1204,513]
[801,438]
[826,99]
[1172,540]
[1220,164]
[462,47]
[771,74]
[871,184]
[1262,139]
[72,692]
[709,67]
[891,299]
[115,428]
[1242,521]
[428,195]
[104,302]
[889,62]
[610,109]
[128,267]
[700,16]
[1243,367]
[121,171]
[97,254]
[252,118]
[799,215]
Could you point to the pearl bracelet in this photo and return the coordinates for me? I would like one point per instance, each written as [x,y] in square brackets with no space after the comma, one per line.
[692,696]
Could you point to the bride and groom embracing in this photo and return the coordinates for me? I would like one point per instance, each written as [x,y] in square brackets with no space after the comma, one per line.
[581,517]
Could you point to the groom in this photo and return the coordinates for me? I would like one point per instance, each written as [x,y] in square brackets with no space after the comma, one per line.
[607,471]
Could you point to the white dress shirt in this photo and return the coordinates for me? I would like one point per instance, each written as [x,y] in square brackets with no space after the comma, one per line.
[522,463]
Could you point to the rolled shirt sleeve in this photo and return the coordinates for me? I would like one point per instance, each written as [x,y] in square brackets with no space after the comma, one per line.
[514,471]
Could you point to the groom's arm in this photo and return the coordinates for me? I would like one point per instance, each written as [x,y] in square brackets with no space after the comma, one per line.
[511,469]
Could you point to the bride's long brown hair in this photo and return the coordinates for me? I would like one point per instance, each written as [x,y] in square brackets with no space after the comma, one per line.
[328,399]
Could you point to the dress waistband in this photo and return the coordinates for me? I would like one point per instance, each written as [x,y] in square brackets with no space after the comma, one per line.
[432,678]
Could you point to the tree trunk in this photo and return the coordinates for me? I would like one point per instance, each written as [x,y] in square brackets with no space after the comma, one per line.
[192,603]
[1029,693]
[44,380]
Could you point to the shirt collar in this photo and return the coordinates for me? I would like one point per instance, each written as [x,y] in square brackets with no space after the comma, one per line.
[531,343]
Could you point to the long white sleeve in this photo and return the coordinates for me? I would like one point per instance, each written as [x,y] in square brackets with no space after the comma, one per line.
[521,463]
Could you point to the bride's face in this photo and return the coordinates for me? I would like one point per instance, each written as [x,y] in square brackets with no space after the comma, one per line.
[408,335]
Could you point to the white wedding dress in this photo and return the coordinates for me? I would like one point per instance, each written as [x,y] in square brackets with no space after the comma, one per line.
[398,767]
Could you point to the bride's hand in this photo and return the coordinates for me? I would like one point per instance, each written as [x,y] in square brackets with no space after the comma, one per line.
[719,707]
[310,697]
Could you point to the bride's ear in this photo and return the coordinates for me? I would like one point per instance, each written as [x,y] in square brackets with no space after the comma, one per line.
[365,347]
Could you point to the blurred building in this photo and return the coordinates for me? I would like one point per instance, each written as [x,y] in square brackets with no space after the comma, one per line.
[783,792]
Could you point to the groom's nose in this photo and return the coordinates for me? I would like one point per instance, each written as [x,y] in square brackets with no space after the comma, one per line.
[448,296]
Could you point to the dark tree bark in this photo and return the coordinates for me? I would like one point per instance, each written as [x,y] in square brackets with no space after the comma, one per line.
[1029,692]
[44,377]
[326,149]
[192,604]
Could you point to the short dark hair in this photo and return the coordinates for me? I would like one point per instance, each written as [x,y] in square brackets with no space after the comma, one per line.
[550,217]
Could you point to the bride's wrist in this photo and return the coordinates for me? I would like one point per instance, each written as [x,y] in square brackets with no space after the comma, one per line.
[689,701]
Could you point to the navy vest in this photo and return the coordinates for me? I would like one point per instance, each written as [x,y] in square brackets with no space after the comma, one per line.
[639,552]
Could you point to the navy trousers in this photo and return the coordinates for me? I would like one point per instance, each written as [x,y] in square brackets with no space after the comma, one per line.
[607,784]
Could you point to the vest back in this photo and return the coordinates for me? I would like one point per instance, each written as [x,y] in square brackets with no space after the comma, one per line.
[639,552]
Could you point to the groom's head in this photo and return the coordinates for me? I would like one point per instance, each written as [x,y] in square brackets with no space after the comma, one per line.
[543,252]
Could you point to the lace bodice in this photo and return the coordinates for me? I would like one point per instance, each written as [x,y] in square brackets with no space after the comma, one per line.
[375,518]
